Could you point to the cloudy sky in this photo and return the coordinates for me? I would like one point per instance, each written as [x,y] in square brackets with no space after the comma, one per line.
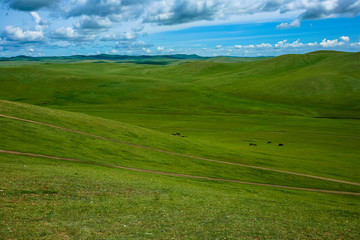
[203,27]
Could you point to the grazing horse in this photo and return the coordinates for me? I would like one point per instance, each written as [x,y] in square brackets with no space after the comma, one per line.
[281,144]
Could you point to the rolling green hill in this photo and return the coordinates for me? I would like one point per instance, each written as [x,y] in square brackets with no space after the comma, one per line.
[327,80]
[121,203]
[324,84]
[224,59]
[102,160]
[36,138]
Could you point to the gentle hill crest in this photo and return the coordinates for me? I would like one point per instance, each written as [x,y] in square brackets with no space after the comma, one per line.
[324,79]
[324,84]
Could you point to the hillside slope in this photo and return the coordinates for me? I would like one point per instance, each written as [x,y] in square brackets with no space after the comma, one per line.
[77,174]
[323,84]
[93,199]
[43,198]
[30,137]
[329,80]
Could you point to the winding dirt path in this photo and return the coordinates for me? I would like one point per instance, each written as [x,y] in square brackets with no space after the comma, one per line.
[179,154]
[178,174]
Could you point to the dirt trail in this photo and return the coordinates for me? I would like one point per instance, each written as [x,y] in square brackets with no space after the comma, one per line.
[178,174]
[179,154]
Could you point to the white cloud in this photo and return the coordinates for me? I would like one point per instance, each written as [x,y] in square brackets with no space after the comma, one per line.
[132,45]
[280,44]
[137,29]
[93,23]
[185,11]
[355,44]
[128,36]
[293,24]
[160,48]
[314,44]
[296,43]
[41,24]
[146,50]
[30,51]
[114,51]
[330,43]
[175,12]
[126,40]
[246,46]
[89,19]
[285,44]
[297,46]
[69,34]
[264,45]
[335,43]
[125,36]
[36,17]
[345,38]
[329,8]
[18,34]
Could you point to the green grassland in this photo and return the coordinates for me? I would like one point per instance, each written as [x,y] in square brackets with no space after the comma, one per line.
[323,84]
[47,200]
[310,103]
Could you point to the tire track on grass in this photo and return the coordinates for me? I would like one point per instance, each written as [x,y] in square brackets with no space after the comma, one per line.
[180,154]
[178,174]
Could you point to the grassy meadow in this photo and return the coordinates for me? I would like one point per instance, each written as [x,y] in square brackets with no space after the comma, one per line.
[310,103]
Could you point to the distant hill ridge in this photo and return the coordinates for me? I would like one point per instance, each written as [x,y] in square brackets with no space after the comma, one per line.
[141,59]
[138,57]
[101,57]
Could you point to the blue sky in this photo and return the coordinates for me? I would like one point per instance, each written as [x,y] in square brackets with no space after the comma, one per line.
[203,27]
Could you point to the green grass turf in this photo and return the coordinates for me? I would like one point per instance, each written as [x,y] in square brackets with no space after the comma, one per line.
[66,144]
[44,199]
[221,107]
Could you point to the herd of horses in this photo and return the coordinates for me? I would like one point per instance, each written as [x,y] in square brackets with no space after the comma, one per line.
[178,134]
[254,144]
